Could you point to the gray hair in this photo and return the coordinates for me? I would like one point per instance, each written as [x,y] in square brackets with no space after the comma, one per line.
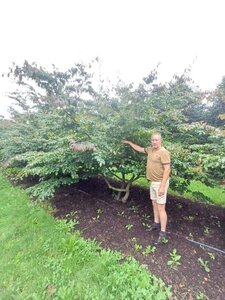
[156,133]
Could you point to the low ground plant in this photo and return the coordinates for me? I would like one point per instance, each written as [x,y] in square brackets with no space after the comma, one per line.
[137,247]
[204,264]
[174,258]
[211,255]
[200,296]
[129,226]
[149,250]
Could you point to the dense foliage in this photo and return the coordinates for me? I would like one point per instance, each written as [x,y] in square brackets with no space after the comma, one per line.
[51,108]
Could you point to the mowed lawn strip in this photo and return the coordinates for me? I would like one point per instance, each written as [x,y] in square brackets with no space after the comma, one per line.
[41,258]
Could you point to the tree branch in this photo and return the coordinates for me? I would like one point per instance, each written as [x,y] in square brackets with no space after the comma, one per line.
[114,188]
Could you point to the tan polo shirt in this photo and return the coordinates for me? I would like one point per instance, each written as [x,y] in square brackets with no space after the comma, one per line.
[156,160]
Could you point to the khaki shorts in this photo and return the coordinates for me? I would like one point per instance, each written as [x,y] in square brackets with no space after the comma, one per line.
[154,187]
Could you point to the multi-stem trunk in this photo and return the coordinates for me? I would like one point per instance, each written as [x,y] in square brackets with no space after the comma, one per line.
[123,190]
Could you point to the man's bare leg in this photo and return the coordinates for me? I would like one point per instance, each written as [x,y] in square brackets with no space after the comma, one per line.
[155,212]
[161,208]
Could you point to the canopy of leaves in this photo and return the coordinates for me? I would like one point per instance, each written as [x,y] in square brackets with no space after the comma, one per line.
[53,107]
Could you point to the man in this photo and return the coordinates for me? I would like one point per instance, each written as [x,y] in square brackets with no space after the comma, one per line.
[157,172]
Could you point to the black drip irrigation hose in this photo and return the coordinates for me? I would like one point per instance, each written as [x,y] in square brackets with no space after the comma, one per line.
[183,237]
[199,243]
[207,246]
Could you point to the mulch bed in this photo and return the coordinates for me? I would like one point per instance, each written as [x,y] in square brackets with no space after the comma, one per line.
[123,227]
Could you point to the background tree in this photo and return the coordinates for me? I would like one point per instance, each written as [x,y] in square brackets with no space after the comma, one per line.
[216,108]
[37,141]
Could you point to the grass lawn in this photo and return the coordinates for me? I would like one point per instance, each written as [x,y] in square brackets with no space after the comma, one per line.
[216,194]
[41,258]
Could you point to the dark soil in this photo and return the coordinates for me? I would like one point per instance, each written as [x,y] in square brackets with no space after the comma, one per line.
[116,226]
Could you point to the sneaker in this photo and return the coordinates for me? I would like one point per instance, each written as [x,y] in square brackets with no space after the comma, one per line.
[162,238]
[155,226]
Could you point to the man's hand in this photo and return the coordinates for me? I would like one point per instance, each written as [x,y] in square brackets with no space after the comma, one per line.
[161,191]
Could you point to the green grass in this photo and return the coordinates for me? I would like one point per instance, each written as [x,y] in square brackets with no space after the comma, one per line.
[215,194]
[40,258]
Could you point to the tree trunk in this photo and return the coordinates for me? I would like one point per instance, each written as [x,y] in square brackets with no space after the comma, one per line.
[125,190]
[118,197]
[127,194]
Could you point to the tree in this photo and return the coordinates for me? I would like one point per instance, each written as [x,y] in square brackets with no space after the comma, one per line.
[56,107]
[37,142]
[216,114]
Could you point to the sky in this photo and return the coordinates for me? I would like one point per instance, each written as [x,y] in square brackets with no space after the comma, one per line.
[130,37]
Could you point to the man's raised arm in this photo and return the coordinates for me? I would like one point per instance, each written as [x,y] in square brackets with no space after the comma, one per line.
[134,146]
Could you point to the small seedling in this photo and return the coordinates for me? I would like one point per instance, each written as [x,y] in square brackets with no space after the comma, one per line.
[137,247]
[129,226]
[120,213]
[148,250]
[133,239]
[206,230]
[145,217]
[190,235]
[72,213]
[211,255]
[204,264]
[200,296]
[202,247]
[216,221]
[146,225]
[218,224]
[179,205]
[174,258]
[73,219]
[190,218]
[99,212]
[133,208]
[165,241]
